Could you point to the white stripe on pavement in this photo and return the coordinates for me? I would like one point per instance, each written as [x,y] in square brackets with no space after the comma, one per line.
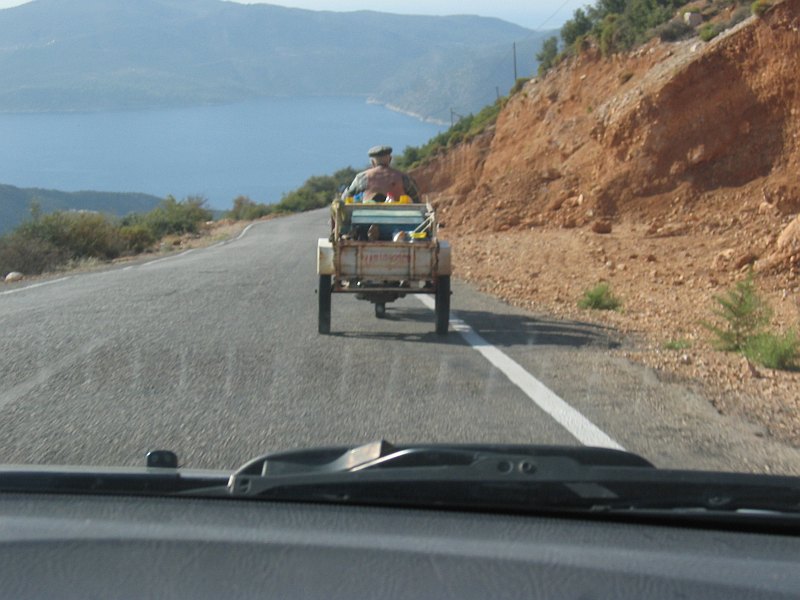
[35,285]
[565,415]
[245,230]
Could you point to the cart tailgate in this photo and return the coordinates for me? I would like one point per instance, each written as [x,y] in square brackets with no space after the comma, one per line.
[387,260]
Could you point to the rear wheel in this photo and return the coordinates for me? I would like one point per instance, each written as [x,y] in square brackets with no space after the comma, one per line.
[442,304]
[380,310]
[324,322]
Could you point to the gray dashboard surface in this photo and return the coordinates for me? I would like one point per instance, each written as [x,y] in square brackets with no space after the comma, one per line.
[58,546]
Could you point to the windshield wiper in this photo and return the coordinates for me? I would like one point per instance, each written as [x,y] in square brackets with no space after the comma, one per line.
[504,477]
[513,478]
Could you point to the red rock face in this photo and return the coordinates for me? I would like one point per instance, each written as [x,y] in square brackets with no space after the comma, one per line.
[668,172]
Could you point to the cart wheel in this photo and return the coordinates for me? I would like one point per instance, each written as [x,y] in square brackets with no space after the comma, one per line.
[324,323]
[442,304]
[380,310]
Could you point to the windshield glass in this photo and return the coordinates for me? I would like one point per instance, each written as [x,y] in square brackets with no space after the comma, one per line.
[229,229]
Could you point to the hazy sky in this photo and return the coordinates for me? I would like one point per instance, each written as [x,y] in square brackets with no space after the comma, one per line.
[528,13]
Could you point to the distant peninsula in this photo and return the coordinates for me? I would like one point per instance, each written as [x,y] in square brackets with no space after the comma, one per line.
[16,203]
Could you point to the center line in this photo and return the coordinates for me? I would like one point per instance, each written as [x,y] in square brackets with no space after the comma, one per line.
[565,415]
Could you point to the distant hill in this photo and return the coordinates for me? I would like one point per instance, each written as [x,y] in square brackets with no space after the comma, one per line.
[117,54]
[15,203]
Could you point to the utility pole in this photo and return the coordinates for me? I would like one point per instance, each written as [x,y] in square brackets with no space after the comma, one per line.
[454,117]
[515,62]
[497,89]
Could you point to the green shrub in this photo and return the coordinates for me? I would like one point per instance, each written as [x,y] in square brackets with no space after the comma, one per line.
[464,130]
[177,217]
[709,31]
[674,30]
[318,191]
[245,209]
[575,28]
[613,35]
[547,55]
[28,255]
[76,234]
[518,85]
[137,238]
[680,344]
[744,314]
[599,298]
[759,7]
[774,351]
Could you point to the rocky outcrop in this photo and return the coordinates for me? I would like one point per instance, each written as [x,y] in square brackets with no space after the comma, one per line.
[669,130]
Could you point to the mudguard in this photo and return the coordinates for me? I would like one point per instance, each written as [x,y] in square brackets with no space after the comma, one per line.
[325,257]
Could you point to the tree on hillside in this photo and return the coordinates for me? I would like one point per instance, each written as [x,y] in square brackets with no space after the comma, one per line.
[575,28]
[547,55]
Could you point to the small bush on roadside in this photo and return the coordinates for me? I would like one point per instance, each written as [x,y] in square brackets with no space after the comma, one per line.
[28,255]
[317,192]
[244,209]
[137,238]
[744,313]
[774,351]
[76,234]
[680,344]
[177,217]
[599,298]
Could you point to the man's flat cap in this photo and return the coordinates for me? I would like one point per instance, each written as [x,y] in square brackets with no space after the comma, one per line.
[380,151]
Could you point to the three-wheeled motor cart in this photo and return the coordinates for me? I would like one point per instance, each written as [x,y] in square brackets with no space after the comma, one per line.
[382,252]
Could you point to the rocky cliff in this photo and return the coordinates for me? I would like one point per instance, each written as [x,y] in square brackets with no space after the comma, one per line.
[666,172]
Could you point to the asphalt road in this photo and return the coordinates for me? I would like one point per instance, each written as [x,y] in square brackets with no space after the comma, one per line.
[215,354]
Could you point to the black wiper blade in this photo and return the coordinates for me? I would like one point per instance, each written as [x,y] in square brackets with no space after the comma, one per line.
[106,480]
[383,454]
[505,477]
[382,465]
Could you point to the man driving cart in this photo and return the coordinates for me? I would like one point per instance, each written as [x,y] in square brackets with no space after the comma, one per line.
[381,182]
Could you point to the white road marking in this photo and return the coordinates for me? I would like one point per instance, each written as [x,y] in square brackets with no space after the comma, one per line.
[34,285]
[245,230]
[565,415]
[41,376]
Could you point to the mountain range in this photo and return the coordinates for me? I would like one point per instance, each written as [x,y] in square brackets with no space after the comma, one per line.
[68,55]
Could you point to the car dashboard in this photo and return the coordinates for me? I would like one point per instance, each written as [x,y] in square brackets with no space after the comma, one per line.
[85,546]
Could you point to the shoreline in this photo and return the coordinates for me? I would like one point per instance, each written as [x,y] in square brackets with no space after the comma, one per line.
[408,113]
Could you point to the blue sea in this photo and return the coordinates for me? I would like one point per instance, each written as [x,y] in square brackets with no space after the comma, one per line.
[261,149]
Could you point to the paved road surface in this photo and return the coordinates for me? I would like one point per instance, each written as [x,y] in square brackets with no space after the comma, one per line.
[215,354]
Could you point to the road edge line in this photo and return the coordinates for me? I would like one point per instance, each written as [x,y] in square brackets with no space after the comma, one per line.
[34,285]
[576,424]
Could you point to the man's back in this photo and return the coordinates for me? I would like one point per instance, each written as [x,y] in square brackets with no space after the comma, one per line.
[384,180]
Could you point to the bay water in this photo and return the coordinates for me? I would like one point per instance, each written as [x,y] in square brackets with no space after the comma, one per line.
[261,149]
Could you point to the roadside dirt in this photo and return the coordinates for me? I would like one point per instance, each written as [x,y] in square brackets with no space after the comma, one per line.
[668,173]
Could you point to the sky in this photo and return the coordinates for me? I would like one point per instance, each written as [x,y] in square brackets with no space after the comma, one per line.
[533,14]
